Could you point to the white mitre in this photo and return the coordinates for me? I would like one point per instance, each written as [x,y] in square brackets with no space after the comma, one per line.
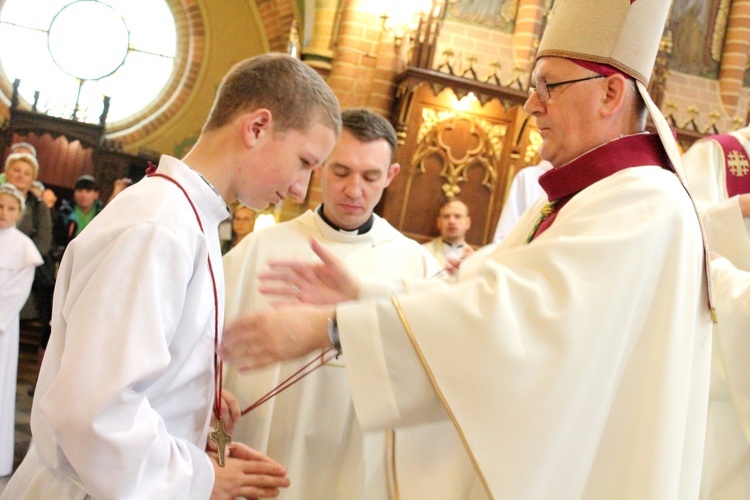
[624,34]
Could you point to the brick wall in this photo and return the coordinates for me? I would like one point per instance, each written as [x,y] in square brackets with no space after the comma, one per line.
[684,91]
[487,46]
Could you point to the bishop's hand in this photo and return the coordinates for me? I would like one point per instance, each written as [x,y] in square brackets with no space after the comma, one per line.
[325,282]
[265,337]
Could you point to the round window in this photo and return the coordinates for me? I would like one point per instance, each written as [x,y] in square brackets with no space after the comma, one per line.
[69,55]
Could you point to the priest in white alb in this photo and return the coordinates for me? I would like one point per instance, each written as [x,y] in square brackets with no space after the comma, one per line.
[311,427]
[573,359]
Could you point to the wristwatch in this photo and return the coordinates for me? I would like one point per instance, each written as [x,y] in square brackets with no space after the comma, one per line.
[333,333]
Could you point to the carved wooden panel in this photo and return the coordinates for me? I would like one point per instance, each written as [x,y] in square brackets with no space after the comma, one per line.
[61,161]
[449,148]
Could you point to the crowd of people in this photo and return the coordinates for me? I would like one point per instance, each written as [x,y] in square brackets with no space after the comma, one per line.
[575,358]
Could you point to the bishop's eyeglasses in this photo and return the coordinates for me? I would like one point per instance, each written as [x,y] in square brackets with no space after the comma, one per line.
[543,88]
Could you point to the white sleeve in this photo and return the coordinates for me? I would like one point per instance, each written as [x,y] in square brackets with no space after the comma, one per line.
[122,331]
[728,233]
[732,288]
[703,164]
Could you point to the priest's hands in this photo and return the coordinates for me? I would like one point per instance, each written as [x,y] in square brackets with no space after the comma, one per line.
[247,473]
[262,338]
[328,282]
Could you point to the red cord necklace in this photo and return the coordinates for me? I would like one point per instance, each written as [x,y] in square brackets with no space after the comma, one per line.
[221,438]
[323,358]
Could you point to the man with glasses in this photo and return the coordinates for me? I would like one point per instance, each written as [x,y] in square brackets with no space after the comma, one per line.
[573,359]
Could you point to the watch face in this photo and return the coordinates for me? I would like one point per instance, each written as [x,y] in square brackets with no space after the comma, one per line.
[333,334]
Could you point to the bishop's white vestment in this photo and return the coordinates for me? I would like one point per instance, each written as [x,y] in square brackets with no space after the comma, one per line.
[575,366]
[311,428]
[726,471]
[18,260]
[124,396]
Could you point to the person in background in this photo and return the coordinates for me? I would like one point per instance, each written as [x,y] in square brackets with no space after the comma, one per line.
[242,225]
[18,259]
[524,192]
[124,401]
[21,170]
[37,187]
[716,168]
[74,217]
[118,187]
[574,358]
[49,198]
[18,147]
[23,147]
[453,222]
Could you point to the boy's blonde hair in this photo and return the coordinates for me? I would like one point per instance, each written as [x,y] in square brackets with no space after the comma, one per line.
[294,93]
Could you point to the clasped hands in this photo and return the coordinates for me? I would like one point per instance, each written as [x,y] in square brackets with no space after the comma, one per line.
[247,472]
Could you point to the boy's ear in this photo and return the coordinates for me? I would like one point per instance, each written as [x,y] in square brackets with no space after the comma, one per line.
[255,124]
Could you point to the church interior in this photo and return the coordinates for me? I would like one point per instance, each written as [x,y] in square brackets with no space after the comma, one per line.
[452,76]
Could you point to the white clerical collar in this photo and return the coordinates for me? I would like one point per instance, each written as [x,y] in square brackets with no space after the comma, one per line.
[363,229]
[459,245]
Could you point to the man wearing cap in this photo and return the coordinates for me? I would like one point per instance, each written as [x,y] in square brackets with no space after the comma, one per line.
[573,359]
[74,217]
[717,168]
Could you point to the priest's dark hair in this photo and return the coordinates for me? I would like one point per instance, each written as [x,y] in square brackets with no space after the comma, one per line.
[292,91]
[368,126]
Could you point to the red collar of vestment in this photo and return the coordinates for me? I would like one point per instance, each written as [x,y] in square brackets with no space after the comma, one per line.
[562,183]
